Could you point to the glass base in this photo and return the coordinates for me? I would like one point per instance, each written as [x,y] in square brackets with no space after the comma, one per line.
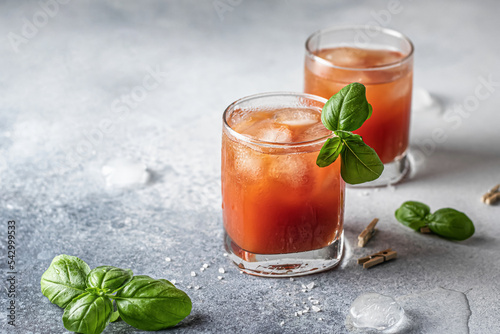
[285,265]
[394,172]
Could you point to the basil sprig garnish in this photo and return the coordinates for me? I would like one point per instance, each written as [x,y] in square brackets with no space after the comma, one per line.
[345,112]
[447,223]
[88,297]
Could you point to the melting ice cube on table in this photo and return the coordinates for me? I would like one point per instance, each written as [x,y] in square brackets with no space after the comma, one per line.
[125,173]
[375,311]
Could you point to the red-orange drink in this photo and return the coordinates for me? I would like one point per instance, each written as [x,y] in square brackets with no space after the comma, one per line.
[275,199]
[380,59]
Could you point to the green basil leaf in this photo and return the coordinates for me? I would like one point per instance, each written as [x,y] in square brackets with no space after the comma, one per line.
[115,316]
[360,163]
[412,214]
[347,110]
[64,280]
[329,152]
[108,277]
[151,304]
[88,314]
[451,224]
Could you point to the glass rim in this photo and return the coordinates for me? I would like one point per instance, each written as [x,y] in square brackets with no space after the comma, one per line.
[386,31]
[268,144]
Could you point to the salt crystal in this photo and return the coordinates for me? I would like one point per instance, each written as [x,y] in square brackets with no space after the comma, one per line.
[221,270]
[310,285]
[168,259]
[219,277]
[173,281]
[225,254]
[291,279]
[196,287]
[282,323]
[205,265]
[295,313]
[202,269]
[193,274]
[189,286]
[320,319]
[316,309]
[303,286]
[315,302]
[299,312]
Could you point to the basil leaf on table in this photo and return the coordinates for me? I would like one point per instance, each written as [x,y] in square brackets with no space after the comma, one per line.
[151,304]
[412,214]
[348,109]
[360,163]
[108,277]
[447,223]
[329,152]
[451,224]
[88,314]
[64,280]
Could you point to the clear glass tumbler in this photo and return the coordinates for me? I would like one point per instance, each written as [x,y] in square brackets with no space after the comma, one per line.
[382,60]
[283,215]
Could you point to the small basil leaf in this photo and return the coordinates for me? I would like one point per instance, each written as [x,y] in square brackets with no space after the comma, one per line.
[88,314]
[115,316]
[412,214]
[329,152]
[451,224]
[108,277]
[151,305]
[64,280]
[360,163]
[347,110]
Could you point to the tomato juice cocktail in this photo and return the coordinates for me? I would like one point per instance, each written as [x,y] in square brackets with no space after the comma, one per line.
[276,200]
[380,59]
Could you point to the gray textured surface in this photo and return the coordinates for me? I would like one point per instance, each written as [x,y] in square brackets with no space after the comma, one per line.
[60,86]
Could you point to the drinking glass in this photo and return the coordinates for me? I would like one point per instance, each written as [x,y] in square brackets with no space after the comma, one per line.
[283,215]
[382,60]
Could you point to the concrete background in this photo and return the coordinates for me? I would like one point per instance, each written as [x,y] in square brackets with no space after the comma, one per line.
[76,92]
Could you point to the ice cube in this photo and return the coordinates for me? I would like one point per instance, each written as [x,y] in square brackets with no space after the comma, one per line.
[277,133]
[422,101]
[375,311]
[125,173]
[313,132]
[297,117]
[247,161]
